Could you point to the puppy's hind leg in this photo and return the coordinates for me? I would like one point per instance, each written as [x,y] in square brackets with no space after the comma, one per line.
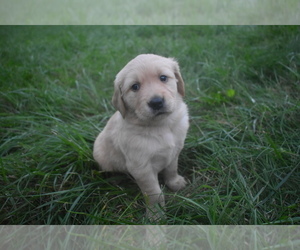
[173,180]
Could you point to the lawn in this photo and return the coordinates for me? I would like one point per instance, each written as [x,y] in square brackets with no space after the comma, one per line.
[242,153]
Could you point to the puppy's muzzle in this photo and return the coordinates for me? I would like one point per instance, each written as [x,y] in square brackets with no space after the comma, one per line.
[156,103]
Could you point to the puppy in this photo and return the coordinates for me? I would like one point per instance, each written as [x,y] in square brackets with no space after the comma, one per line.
[145,136]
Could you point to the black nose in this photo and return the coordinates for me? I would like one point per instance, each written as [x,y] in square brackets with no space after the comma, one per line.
[156,103]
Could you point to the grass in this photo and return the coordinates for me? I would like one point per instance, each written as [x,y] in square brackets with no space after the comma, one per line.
[149,237]
[241,155]
[144,12]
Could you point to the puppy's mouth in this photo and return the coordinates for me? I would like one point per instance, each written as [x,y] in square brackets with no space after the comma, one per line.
[158,106]
[161,113]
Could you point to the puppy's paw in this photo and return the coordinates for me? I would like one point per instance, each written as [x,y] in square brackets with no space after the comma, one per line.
[155,213]
[155,236]
[176,183]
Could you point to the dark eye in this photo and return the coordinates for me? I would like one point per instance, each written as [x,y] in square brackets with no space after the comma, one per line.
[135,87]
[163,78]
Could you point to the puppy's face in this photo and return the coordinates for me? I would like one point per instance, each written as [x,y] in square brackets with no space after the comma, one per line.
[148,87]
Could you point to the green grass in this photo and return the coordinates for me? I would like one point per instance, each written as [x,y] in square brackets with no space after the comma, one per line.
[242,152]
[91,12]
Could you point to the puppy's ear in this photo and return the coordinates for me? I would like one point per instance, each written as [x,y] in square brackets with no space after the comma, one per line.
[117,99]
[180,82]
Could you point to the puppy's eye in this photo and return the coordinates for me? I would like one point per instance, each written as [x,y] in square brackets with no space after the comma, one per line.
[135,87]
[163,78]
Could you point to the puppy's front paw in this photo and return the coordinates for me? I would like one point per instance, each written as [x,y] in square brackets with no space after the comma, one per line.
[176,183]
[155,213]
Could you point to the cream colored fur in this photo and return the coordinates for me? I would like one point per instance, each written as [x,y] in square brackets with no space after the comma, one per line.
[141,140]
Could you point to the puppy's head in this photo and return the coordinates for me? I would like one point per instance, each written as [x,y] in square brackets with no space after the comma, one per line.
[149,86]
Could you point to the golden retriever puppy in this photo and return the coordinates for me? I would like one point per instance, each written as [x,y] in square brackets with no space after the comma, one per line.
[145,136]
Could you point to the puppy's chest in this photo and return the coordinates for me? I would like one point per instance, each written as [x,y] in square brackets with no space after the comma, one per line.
[162,157]
[157,148]
[162,150]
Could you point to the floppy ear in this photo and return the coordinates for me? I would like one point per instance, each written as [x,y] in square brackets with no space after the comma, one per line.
[180,82]
[117,99]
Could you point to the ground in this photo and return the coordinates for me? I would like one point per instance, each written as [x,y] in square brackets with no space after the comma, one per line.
[241,155]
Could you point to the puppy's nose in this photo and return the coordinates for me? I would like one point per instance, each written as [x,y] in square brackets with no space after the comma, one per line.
[156,103]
